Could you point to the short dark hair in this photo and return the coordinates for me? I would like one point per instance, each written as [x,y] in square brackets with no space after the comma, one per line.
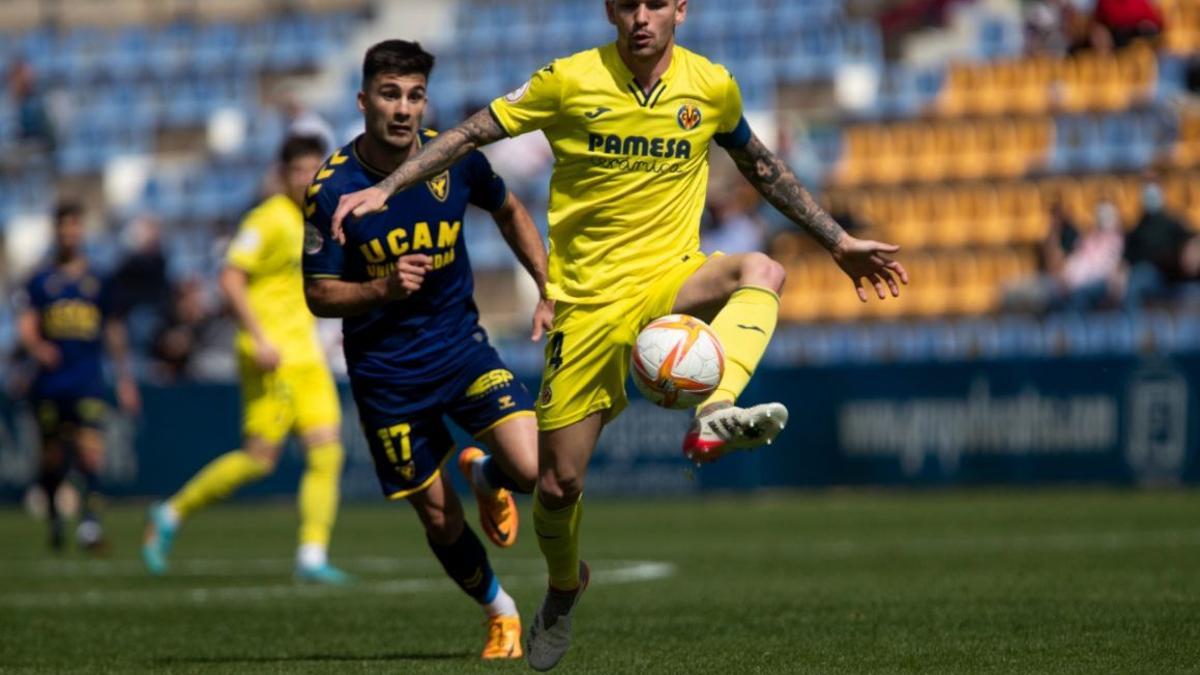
[67,208]
[396,57]
[297,146]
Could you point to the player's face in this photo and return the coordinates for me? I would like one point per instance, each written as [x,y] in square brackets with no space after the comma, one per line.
[298,173]
[646,27]
[392,107]
[68,235]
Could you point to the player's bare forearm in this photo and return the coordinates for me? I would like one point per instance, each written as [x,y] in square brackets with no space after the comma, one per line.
[337,299]
[521,233]
[779,186]
[233,287]
[116,340]
[444,150]
[29,331]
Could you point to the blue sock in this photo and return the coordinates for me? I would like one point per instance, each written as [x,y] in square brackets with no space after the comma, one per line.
[494,474]
[466,562]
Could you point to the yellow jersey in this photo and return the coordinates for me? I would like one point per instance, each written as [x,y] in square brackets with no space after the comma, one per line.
[631,168]
[268,248]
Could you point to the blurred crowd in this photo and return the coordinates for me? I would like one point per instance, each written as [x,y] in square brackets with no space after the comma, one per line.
[1155,262]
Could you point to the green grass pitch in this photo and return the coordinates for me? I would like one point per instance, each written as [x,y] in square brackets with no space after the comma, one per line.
[1081,581]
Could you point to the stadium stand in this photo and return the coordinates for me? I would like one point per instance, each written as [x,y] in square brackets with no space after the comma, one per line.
[955,142]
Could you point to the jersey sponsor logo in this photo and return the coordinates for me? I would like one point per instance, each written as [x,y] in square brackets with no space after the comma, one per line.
[489,382]
[517,94]
[417,239]
[314,241]
[640,146]
[440,186]
[597,112]
[689,116]
[71,319]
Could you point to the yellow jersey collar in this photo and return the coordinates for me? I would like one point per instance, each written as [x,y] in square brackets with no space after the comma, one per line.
[627,78]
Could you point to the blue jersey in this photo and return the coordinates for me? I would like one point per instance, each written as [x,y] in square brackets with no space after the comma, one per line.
[71,313]
[418,338]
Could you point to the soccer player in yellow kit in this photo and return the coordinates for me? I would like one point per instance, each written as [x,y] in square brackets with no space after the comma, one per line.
[286,384]
[630,125]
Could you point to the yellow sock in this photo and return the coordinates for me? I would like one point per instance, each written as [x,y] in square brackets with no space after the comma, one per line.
[318,498]
[744,327]
[558,537]
[216,480]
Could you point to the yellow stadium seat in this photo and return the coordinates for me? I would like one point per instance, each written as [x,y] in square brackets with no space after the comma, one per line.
[949,225]
[967,160]
[1078,73]
[1030,90]
[934,144]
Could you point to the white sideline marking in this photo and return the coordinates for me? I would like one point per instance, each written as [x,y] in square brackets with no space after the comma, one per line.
[611,572]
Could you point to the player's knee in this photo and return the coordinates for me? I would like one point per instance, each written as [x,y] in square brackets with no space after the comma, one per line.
[326,458]
[559,489]
[264,455]
[759,269]
[444,525]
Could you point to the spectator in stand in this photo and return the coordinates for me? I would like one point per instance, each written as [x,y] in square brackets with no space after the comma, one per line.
[35,131]
[1128,20]
[733,226]
[1087,272]
[192,326]
[141,291]
[1158,252]
[1076,270]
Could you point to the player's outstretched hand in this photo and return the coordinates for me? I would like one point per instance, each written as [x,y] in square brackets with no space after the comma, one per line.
[408,275]
[870,260]
[543,319]
[128,396]
[357,205]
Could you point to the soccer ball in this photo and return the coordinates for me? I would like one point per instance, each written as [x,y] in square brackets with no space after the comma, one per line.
[677,361]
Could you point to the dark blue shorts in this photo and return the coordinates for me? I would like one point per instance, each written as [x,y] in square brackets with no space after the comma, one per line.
[405,426]
[60,414]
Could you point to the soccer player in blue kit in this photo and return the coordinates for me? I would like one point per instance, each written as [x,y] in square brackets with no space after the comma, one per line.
[402,283]
[65,324]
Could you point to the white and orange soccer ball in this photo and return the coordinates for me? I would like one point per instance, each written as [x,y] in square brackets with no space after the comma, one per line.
[677,361]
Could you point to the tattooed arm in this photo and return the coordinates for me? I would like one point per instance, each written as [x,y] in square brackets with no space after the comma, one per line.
[779,186]
[859,259]
[433,158]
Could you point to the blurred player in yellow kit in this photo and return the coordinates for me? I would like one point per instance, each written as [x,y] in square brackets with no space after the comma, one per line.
[631,124]
[286,384]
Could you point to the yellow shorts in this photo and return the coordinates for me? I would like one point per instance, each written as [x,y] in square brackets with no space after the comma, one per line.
[300,398]
[587,353]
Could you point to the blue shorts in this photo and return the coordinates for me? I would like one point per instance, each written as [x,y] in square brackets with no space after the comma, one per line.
[404,423]
[61,414]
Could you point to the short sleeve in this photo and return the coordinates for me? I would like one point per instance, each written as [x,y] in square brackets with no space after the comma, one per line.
[532,106]
[249,245]
[488,190]
[733,131]
[322,254]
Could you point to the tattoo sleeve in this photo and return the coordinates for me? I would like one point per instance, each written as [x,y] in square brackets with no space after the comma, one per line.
[444,150]
[779,186]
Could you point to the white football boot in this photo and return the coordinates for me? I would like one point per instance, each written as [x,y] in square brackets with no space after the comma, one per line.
[550,634]
[723,428]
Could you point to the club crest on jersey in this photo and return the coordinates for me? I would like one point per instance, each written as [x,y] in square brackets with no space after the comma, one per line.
[313,241]
[440,186]
[689,116]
